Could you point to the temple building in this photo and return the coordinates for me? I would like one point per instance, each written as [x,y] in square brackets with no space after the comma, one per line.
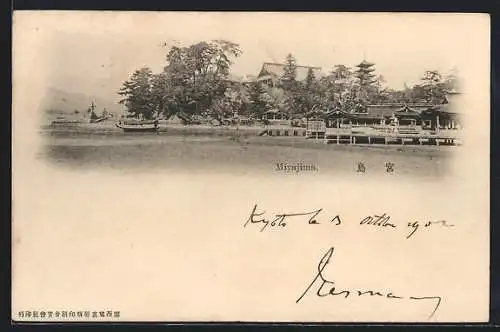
[364,73]
[271,73]
[429,117]
[445,116]
[366,78]
[275,114]
[371,115]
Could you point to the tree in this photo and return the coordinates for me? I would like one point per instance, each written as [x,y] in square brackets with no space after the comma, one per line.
[343,77]
[311,93]
[137,93]
[325,92]
[193,78]
[310,79]
[257,100]
[288,80]
[379,93]
[221,108]
[197,73]
[292,89]
[275,98]
[238,96]
[431,89]
[431,79]
[337,88]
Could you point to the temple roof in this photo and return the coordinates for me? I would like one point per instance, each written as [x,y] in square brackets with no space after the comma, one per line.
[365,70]
[437,111]
[337,113]
[365,64]
[372,112]
[382,111]
[407,111]
[277,70]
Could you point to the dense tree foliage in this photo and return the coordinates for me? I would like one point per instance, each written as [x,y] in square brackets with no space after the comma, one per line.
[196,81]
[138,94]
[257,100]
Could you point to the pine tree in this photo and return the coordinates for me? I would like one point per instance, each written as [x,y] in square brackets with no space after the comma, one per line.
[137,93]
[290,85]
[433,86]
[310,78]
[289,78]
[310,92]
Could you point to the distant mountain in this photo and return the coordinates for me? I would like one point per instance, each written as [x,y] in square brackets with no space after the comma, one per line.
[59,103]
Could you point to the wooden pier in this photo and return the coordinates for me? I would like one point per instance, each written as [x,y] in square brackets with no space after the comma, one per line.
[368,135]
[286,131]
[340,136]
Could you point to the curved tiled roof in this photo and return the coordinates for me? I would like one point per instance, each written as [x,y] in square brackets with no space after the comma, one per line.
[277,70]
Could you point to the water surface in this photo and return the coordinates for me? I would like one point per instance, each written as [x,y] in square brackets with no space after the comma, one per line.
[116,150]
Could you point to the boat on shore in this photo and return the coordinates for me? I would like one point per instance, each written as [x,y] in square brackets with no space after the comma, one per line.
[138,126]
[63,121]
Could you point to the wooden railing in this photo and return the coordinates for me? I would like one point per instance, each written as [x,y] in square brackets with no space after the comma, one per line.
[347,129]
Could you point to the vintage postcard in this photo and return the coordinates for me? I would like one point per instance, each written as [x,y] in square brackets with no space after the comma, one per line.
[250,167]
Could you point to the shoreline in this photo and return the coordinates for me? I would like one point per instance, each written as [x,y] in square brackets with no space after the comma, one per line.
[295,143]
[241,135]
[191,148]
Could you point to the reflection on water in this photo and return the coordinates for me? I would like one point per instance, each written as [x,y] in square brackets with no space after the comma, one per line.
[149,151]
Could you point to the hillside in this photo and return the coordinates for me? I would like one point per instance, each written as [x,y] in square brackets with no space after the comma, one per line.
[59,103]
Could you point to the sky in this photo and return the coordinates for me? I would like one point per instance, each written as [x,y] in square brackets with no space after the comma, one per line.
[94,52]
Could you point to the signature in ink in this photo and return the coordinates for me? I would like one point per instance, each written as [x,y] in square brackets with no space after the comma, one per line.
[327,288]
[279,219]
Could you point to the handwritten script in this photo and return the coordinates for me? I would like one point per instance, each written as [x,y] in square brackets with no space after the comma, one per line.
[313,217]
[327,288]
[321,286]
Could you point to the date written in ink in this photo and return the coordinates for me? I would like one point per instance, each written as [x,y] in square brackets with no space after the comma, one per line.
[379,221]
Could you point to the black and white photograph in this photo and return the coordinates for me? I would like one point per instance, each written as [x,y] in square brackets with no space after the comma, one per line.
[250,166]
[228,100]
